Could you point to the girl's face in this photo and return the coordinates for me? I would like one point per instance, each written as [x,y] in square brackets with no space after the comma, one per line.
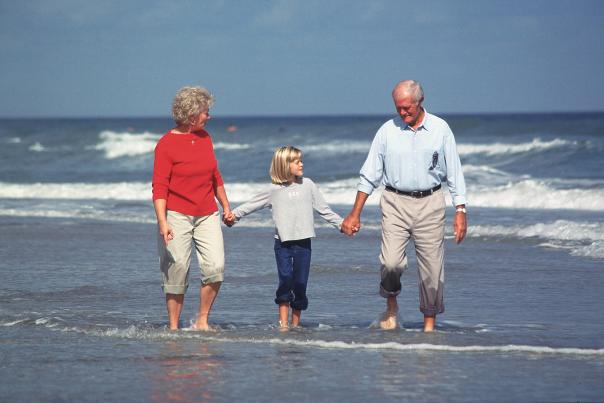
[296,167]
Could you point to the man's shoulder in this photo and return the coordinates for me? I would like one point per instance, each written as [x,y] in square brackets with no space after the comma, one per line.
[390,125]
[436,121]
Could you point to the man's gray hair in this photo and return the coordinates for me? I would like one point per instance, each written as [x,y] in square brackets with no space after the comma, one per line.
[410,87]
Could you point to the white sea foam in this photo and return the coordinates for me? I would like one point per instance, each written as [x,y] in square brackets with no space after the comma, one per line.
[511,348]
[37,147]
[230,146]
[535,194]
[503,148]
[135,332]
[526,194]
[14,140]
[558,230]
[101,191]
[116,145]
[337,147]
[581,238]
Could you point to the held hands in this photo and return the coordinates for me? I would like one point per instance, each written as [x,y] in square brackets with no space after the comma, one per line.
[228,218]
[351,225]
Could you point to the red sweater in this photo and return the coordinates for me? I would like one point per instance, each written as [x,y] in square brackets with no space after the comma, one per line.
[185,173]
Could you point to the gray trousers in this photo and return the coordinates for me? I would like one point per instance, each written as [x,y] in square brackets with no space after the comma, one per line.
[403,218]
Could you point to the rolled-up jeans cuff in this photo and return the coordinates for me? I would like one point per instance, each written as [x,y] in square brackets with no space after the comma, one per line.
[385,293]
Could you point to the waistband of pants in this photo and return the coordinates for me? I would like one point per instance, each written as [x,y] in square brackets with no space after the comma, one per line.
[418,194]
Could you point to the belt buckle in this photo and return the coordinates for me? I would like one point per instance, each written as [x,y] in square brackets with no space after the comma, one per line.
[416,193]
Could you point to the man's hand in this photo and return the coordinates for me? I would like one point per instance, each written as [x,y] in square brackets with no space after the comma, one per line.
[351,224]
[228,218]
[460,226]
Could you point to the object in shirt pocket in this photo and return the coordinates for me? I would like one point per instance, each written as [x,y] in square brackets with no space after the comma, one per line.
[434,161]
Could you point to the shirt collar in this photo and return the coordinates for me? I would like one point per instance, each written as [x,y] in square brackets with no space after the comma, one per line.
[422,124]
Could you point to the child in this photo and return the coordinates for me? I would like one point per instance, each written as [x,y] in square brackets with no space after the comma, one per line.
[292,199]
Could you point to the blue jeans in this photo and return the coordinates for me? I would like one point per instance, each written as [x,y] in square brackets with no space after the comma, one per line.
[293,265]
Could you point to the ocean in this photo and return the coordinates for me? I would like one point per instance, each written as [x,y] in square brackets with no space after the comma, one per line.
[82,314]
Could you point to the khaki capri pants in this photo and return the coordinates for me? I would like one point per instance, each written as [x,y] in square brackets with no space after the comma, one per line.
[175,259]
[423,219]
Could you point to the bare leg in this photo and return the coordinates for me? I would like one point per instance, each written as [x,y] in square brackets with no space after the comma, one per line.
[296,317]
[388,320]
[207,295]
[174,304]
[429,323]
[283,315]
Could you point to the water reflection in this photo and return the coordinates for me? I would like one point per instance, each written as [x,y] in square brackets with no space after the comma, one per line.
[186,372]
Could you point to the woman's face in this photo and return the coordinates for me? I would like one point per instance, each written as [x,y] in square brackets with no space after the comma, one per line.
[199,122]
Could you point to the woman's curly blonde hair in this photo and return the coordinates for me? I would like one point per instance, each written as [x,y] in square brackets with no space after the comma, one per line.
[189,102]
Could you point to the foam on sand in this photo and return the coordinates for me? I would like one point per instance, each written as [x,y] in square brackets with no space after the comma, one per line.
[150,333]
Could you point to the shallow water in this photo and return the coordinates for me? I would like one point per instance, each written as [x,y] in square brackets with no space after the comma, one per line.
[82,322]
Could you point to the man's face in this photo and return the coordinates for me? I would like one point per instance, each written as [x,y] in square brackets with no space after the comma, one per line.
[407,107]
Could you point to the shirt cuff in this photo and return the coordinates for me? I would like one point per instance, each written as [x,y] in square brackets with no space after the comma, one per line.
[459,200]
[365,188]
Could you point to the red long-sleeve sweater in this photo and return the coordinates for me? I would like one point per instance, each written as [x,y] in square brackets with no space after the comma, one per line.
[185,173]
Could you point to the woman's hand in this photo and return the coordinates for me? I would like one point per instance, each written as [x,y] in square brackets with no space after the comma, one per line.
[166,232]
[228,218]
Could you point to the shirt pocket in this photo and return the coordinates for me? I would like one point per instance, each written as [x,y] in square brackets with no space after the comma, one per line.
[432,159]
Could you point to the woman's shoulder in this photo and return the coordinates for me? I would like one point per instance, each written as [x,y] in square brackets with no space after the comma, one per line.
[165,139]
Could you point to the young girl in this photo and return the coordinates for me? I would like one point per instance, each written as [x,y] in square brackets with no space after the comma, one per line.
[292,199]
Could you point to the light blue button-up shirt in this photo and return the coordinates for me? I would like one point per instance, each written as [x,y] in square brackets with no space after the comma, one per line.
[410,160]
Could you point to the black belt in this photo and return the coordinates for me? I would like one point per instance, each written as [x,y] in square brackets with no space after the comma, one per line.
[416,193]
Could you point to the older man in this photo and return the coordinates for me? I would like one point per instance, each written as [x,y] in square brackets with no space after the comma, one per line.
[412,154]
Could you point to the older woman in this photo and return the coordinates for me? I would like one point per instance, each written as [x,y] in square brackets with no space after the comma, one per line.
[186,184]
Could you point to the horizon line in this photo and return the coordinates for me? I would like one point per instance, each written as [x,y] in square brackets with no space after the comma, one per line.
[321,115]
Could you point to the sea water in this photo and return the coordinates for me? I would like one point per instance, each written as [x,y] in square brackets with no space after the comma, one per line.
[82,315]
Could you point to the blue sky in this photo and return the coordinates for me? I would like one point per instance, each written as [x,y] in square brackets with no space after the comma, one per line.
[299,57]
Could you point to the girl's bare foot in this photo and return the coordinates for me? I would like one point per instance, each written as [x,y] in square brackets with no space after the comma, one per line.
[296,314]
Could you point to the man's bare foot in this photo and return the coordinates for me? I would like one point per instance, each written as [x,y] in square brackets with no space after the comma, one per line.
[283,326]
[429,323]
[388,320]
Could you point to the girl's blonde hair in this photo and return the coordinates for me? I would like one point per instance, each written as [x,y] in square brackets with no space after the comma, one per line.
[280,172]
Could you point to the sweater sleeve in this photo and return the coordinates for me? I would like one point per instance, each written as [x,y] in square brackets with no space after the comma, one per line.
[257,202]
[322,208]
[162,170]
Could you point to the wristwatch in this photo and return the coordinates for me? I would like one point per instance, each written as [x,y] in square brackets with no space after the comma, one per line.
[460,210]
